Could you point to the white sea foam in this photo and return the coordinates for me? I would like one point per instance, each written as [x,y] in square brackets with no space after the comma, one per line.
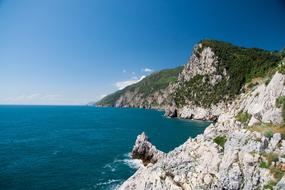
[111,184]
[110,181]
[127,160]
[133,163]
[111,166]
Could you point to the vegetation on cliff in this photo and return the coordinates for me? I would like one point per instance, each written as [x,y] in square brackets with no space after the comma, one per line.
[241,66]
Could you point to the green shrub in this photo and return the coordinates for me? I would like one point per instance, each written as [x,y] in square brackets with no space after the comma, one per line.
[243,117]
[220,140]
[264,165]
[268,134]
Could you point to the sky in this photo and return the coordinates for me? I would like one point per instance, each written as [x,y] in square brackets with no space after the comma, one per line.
[76,51]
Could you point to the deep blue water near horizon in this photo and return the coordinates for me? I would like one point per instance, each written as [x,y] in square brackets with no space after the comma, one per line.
[79,147]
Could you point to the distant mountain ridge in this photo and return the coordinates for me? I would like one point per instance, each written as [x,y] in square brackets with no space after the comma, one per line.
[148,93]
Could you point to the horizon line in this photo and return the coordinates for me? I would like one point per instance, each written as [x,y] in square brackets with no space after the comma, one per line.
[43,104]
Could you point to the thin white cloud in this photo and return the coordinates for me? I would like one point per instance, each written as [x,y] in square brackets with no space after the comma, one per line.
[124,71]
[122,84]
[147,70]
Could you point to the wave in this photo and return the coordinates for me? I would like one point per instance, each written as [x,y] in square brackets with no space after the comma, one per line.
[110,184]
[126,160]
[118,164]
[110,181]
[132,163]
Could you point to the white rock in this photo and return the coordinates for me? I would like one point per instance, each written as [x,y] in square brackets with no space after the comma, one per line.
[274,141]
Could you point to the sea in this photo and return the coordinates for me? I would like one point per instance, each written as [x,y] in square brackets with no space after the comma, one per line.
[80,147]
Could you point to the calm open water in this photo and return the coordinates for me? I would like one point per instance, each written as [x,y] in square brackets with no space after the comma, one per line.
[79,147]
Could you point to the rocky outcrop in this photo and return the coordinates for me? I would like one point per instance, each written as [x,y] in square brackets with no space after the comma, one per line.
[229,155]
[145,151]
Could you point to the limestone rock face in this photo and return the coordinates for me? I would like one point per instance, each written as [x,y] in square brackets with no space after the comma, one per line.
[203,163]
[261,102]
[203,63]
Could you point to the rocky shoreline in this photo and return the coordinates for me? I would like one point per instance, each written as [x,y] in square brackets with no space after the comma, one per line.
[231,154]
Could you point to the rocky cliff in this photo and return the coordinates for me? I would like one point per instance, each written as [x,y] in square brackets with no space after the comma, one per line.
[215,74]
[244,149]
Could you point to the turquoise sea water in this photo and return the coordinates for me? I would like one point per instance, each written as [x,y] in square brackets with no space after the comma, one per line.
[79,147]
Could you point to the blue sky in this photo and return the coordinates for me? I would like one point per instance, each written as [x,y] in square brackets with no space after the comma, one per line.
[76,51]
